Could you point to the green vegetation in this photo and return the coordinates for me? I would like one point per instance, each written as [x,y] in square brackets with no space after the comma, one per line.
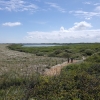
[80,81]
[63,51]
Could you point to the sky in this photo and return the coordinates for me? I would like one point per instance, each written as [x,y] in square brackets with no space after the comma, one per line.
[49,21]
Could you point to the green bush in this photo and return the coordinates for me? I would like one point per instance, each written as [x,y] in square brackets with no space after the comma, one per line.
[94,58]
[52,54]
[88,52]
[40,54]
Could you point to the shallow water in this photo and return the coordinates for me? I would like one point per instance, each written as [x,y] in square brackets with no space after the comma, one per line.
[38,45]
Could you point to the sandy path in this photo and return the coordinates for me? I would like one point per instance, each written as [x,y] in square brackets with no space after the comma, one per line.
[55,70]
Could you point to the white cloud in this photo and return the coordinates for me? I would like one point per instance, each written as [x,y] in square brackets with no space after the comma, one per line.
[77,33]
[54,5]
[62,29]
[80,26]
[85,14]
[95,12]
[97,4]
[88,3]
[88,18]
[0,8]
[11,24]
[97,8]
[17,5]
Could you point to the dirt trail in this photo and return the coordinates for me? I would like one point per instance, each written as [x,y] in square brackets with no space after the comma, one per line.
[55,70]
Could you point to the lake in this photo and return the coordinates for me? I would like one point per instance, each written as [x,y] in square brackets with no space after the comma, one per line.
[39,45]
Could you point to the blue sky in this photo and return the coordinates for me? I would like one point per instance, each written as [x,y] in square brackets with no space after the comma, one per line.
[49,21]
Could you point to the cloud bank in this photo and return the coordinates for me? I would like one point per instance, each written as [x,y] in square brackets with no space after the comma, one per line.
[78,33]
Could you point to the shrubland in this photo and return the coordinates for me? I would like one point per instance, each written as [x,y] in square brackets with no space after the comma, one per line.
[72,50]
[77,81]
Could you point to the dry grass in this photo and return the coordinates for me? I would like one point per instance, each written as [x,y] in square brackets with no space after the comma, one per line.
[24,63]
